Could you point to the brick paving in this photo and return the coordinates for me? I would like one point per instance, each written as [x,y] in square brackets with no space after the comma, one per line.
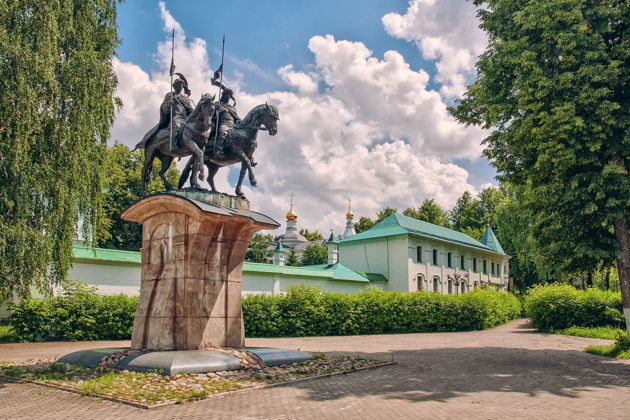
[507,372]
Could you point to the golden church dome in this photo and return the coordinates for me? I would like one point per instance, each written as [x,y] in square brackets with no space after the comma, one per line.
[349,215]
[291,215]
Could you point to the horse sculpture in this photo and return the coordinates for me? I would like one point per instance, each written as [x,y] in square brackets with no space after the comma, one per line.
[240,147]
[191,140]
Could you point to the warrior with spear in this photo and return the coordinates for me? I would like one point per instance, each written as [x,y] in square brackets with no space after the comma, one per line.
[175,107]
[226,116]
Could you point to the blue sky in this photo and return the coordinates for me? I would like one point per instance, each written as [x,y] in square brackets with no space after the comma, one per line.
[362,86]
[269,35]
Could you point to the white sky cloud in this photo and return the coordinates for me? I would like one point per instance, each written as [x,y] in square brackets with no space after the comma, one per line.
[376,133]
[446,31]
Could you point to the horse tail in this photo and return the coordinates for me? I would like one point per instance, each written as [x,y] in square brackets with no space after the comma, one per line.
[185,173]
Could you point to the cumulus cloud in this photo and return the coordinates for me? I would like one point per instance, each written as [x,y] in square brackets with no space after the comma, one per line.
[446,31]
[352,126]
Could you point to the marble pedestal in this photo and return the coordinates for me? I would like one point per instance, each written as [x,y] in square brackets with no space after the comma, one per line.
[192,257]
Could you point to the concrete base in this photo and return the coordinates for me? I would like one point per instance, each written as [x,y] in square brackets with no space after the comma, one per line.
[171,362]
[190,361]
[89,358]
[192,257]
[277,357]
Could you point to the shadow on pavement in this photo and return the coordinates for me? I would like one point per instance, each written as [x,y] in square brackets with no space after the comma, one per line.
[442,374]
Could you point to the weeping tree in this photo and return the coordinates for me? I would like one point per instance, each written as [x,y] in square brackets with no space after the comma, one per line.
[553,88]
[56,109]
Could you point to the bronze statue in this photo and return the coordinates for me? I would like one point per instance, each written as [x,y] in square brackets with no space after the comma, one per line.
[226,118]
[191,137]
[182,107]
[239,146]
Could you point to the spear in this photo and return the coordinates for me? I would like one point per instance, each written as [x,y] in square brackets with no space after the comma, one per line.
[220,71]
[172,71]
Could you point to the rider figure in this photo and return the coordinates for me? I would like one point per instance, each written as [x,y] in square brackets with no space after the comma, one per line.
[182,108]
[227,119]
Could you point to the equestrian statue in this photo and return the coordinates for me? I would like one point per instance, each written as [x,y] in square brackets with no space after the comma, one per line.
[231,139]
[188,128]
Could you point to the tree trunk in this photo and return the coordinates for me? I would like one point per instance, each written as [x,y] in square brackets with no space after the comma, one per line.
[589,279]
[623,264]
[607,279]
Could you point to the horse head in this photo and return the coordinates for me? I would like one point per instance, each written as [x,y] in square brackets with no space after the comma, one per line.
[270,118]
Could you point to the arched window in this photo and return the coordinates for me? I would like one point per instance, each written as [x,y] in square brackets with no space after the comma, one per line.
[420,282]
[450,287]
[436,284]
[463,287]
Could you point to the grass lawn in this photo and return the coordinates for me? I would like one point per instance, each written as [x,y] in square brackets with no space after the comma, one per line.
[610,351]
[619,349]
[607,333]
[7,335]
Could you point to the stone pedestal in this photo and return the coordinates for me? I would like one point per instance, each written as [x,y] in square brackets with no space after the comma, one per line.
[192,257]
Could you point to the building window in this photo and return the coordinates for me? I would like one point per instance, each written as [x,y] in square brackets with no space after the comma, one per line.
[462,262]
[475,264]
[492,268]
[436,284]
[485,267]
[463,287]
[450,263]
[419,254]
[420,281]
[435,259]
[450,287]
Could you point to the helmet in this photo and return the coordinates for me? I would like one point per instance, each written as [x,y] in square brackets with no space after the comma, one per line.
[227,95]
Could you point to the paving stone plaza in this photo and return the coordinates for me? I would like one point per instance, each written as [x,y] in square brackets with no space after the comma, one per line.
[507,372]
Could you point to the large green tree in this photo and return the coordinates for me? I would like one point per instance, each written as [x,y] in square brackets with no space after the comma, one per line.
[314,254]
[365,222]
[553,87]
[56,109]
[122,184]
[311,236]
[429,211]
[258,250]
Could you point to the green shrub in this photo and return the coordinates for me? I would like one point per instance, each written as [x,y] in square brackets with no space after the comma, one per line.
[81,314]
[77,314]
[559,306]
[7,335]
[309,311]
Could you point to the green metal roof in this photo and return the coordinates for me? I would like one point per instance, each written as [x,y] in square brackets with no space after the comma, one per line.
[491,241]
[279,247]
[81,252]
[331,239]
[335,272]
[374,276]
[398,224]
[343,272]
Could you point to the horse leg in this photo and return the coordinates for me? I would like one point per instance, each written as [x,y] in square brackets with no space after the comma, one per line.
[195,172]
[241,175]
[212,171]
[166,163]
[185,173]
[198,163]
[247,164]
[147,166]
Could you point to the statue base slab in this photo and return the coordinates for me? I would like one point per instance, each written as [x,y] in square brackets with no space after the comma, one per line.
[189,361]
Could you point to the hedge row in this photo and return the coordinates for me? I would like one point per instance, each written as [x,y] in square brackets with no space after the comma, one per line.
[305,311]
[557,306]
[79,314]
